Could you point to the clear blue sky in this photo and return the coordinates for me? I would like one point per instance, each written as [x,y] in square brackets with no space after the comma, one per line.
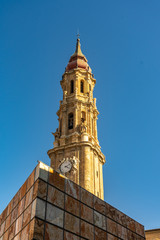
[121,40]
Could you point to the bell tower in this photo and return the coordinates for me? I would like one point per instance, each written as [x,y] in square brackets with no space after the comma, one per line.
[76,152]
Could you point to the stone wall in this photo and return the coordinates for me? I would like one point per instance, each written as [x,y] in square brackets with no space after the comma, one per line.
[153,234]
[48,206]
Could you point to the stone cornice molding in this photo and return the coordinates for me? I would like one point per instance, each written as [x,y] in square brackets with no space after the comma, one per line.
[78,144]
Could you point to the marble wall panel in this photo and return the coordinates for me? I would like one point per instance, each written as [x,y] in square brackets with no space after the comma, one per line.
[18,224]
[130,224]
[87,230]
[38,229]
[142,238]
[111,212]
[57,180]
[23,190]
[17,237]
[15,199]
[29,197]
[31,229]
[112,237]
[4,214]
[9,208]
[100,234]
[40,189]
[72,205]
[53,232]
[26,216]
[2,227]
[121,218]
[35,189]
[8,222]
[99,205]
[99,220]
[72,223]
[14,214]
[30,181]
[11,231]
[86,213]
[36,176]
[25,233]
[5,236]
[111,226]
[139,229]
[33,212]
[122,232]
[131,235]
[87,197]
[41,172]
[21,206]
[70,236]
[72,189]
[55,197]
[54,215]
[40,208]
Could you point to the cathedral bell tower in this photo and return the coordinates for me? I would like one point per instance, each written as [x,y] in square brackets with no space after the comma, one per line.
[76,152]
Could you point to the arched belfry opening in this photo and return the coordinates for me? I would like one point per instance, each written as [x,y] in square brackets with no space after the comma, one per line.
[70,121]
[82,86]
[72,86]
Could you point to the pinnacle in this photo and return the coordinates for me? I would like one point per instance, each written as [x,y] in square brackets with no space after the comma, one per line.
[78,48]
[78,60]
[78,51]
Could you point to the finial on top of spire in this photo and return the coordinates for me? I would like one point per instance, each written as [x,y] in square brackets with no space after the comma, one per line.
[78,45]
[78,35]
[78,60]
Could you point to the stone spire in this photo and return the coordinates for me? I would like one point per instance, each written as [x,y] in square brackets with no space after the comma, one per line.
[78,51]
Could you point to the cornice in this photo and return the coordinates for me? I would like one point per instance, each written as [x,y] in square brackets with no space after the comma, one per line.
[78,144]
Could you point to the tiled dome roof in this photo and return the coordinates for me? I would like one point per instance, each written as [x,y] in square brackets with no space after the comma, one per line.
[78,60]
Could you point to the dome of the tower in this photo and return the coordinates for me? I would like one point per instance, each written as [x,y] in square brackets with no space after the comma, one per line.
[78,60]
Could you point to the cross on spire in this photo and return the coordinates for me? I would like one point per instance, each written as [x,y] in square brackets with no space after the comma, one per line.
[78,35]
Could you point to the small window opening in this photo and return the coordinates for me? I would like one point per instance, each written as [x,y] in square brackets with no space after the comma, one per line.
[97,173]
[72,86]
[82,87]
[92,126]
[60,131]
[70,121]
[83,116]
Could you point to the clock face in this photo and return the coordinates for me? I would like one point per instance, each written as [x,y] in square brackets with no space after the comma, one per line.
[65,166]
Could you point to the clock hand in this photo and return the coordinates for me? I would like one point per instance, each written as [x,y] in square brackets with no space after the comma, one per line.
[68,166]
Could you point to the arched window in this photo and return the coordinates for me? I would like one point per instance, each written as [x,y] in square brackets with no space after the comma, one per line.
[82,87]
[70,121]
[89,87]
[72,86]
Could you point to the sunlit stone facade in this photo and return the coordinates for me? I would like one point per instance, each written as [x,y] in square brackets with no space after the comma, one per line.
[153,234]
[76,136]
